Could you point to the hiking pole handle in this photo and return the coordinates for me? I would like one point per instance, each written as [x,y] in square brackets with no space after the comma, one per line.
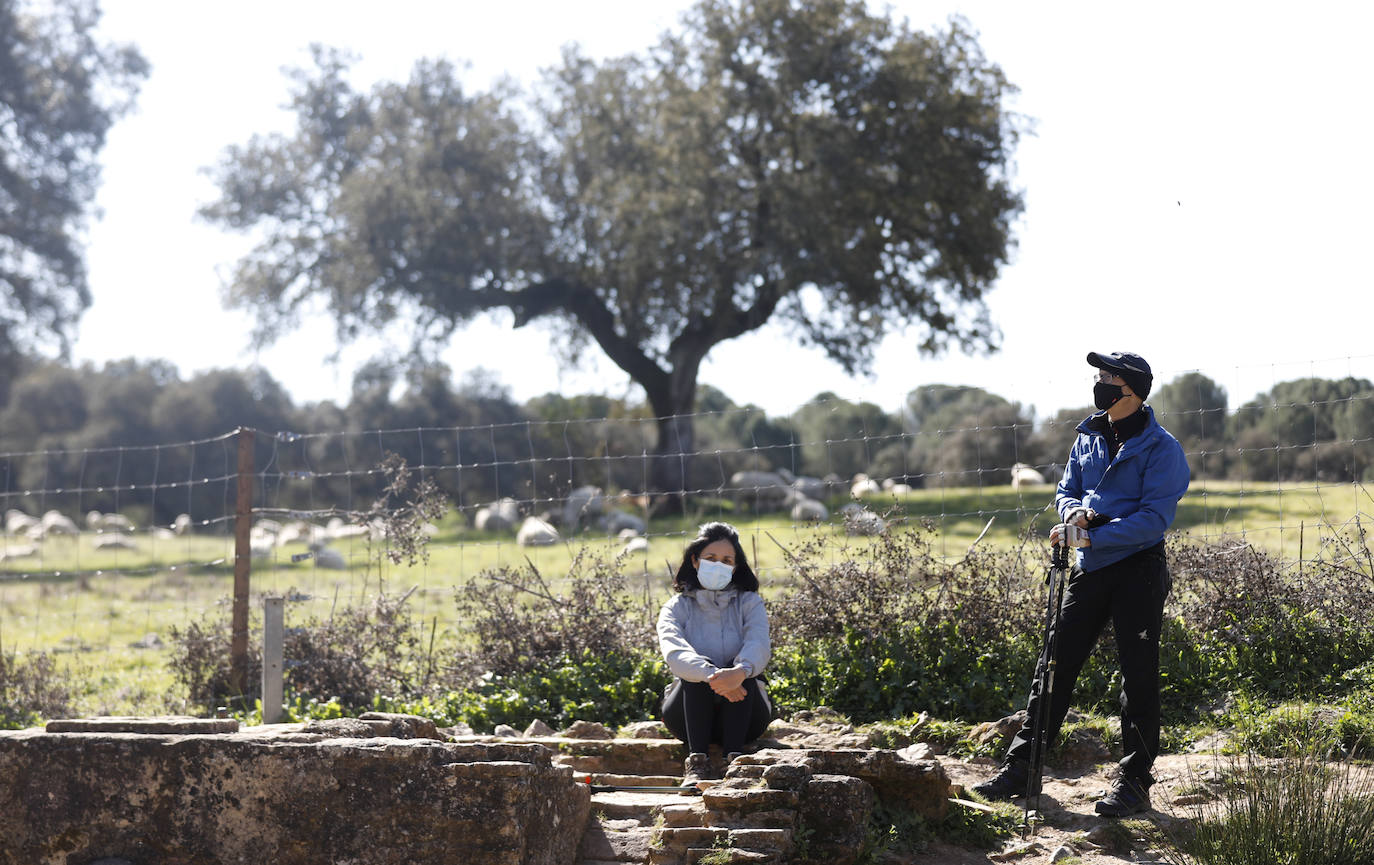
[1059,560]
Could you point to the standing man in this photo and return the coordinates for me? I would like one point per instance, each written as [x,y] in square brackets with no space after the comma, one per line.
[1123,481]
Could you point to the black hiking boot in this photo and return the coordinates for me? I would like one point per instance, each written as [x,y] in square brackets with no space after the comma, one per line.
[1008,783]
[696,769]
[1128,796]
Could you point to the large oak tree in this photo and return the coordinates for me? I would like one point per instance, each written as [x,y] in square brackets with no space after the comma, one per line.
[61,90]
[800,160]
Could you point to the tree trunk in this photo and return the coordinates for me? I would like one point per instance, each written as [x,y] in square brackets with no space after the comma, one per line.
[670,467]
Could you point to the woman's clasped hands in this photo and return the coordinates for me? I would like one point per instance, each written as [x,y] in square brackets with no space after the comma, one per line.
[729,683]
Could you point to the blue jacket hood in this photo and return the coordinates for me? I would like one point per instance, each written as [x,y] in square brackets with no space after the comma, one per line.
[1139,489]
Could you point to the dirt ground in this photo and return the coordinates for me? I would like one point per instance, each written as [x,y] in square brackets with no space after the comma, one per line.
[1070,832]
[1071,828]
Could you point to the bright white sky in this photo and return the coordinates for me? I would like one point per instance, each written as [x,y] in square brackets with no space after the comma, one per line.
[1198,190]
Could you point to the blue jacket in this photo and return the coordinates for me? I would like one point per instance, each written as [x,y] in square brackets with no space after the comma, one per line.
[1139,490]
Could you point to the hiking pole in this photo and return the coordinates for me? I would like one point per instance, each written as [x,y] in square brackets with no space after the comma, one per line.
[1055,578]
[685,789]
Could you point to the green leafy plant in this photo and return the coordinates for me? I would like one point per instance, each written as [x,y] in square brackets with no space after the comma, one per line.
[613,689]
[722,852]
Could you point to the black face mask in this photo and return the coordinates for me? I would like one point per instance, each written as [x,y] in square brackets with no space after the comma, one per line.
[1106,395]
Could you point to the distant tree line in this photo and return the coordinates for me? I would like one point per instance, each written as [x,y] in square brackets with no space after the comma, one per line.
[137,432]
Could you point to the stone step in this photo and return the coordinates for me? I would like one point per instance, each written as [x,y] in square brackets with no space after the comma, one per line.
[627,826]
[742,796]
[717,855]
[686,837]
[772,841]
[626,804]
[662,757]
[633,780]
[782,818]
[689,813]
[611,841]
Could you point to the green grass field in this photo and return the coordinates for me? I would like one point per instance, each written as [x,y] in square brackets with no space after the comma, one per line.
[107,615]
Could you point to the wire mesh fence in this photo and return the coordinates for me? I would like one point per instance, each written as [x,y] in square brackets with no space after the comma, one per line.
[106,549]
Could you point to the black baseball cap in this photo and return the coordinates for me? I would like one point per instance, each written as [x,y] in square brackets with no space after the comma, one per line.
[1127,364]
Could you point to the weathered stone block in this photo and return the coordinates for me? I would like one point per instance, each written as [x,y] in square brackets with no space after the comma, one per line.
[691,836]
[726,796]
[252,797]
[616,845]
[780,819]
[401,726]
[587,730]
[613,756]
[762,840]
[834,813]
[121,724]
[921,786]
[784,776]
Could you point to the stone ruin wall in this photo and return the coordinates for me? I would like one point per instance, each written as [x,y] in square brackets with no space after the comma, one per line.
[384,789]
[288,797]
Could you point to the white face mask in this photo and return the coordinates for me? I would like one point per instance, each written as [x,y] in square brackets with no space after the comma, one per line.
[714,575]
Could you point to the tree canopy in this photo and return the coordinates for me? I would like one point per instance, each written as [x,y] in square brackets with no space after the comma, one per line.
[1193,407]
[804,161]
[60,92]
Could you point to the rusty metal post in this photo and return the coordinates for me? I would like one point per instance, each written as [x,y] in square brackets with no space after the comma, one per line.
[243,556]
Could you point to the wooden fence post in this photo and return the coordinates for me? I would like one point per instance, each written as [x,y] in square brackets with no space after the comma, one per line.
[243,555]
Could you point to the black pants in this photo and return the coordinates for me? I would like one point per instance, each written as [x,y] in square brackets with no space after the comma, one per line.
[701,717]
[1130,593]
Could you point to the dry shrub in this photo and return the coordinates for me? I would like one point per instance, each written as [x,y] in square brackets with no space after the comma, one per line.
[32,689]
[520,620]
[353,656]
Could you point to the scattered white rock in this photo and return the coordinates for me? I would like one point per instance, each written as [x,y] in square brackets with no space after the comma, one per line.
[18,551]
[583,505]
[538,728]
[534,532]
[863,485]
[1024,475]
[18,523]
[499,516]
[809,510]
[916,751]
[329,558]
[618,522]
[57,523]
[859,520]
[114,542]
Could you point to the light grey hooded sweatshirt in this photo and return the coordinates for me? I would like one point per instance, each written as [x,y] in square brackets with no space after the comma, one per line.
[701,631]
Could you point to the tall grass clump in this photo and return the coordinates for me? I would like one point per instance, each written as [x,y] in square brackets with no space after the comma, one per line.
[1299,808]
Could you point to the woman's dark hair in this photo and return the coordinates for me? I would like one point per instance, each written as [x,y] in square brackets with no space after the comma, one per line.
[743,578]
